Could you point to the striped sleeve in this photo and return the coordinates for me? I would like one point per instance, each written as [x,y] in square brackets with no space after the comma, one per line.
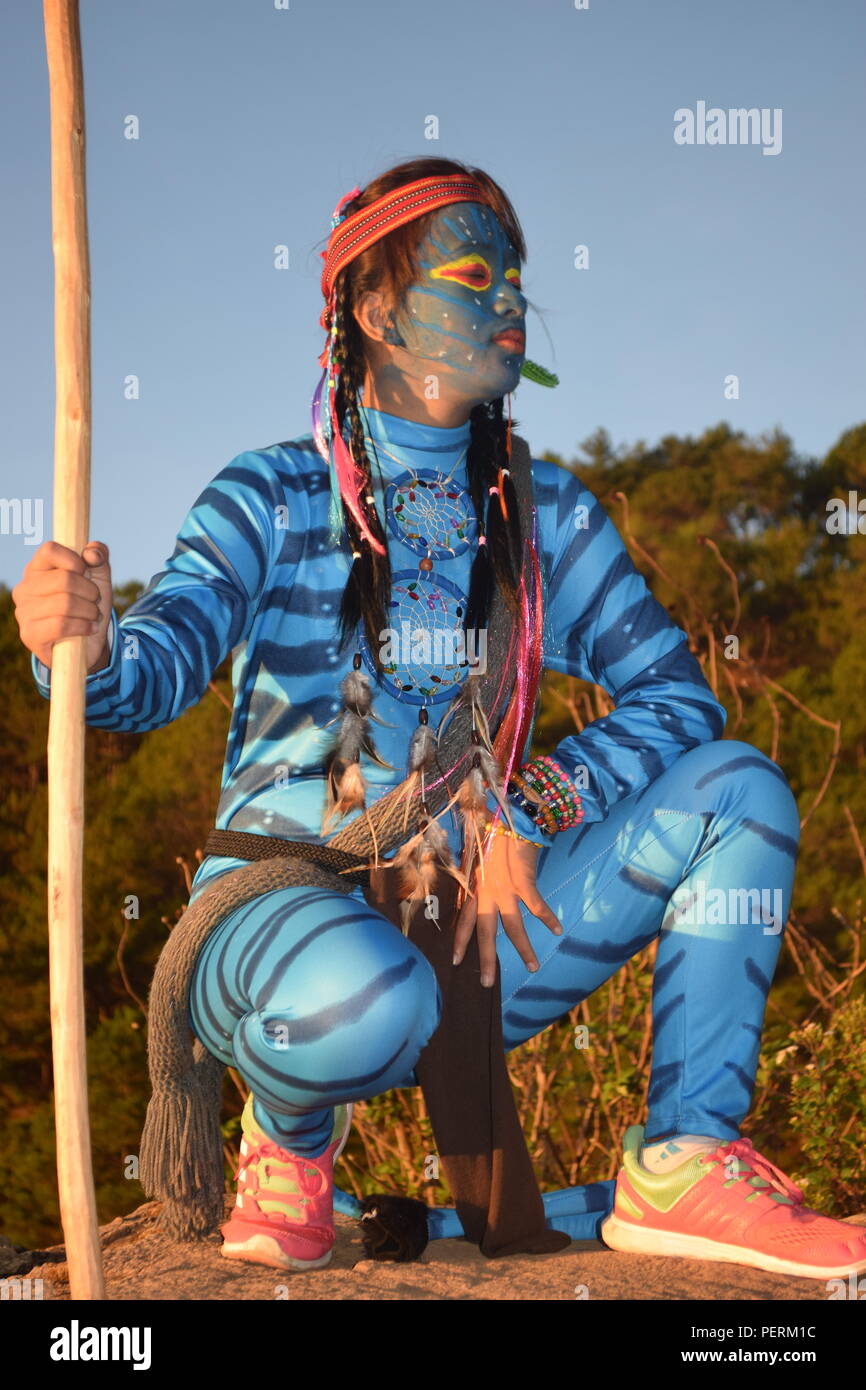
[604,625]
[169,642]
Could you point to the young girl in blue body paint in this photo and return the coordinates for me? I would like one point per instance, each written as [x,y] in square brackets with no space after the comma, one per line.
[643,809]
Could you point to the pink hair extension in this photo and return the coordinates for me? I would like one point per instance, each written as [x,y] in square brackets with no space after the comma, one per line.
[346,477]
[350,479]
[517,724]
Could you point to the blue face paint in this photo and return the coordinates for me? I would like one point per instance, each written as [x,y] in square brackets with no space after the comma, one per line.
[467,294]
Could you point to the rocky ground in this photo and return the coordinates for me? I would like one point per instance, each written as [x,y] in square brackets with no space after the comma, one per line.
[140,1263]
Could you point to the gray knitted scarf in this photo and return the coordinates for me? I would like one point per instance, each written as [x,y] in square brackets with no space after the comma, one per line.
[181,1154]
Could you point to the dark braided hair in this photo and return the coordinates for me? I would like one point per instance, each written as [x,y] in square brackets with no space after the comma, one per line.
[392,262]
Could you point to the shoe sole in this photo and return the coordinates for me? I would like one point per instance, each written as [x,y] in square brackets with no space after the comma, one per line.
[266,1250]
[262,1249]
[633,1240]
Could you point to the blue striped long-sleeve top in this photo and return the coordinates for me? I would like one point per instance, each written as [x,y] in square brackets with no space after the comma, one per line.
[254,573]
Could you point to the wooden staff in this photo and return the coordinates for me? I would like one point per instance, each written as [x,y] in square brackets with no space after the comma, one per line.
[68,660]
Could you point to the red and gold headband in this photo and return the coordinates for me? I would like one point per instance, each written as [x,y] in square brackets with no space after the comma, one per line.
[354,234]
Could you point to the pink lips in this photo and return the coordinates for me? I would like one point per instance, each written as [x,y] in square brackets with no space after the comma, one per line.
[512,339]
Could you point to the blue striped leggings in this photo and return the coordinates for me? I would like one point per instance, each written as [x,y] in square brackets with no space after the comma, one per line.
[317,999]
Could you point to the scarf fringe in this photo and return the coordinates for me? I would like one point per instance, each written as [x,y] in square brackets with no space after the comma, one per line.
[181,1158]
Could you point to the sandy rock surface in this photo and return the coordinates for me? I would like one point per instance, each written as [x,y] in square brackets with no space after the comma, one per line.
[141,1263]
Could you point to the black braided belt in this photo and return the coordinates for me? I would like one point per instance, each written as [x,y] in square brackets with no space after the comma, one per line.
[237,844]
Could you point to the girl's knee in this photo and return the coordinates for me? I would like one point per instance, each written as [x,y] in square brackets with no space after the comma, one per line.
[413,1009]
[360,1030]
[726,766]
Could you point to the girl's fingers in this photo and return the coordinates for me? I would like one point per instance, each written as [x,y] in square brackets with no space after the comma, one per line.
[487,946]
[66,606]
[516,933]
[46,583]
[54,556]
[464,928]
[539,908]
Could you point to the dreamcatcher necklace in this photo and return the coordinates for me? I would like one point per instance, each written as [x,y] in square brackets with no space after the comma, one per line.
[434,517]
[428,511]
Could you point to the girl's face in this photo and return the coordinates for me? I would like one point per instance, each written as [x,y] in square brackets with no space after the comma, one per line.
[451,322]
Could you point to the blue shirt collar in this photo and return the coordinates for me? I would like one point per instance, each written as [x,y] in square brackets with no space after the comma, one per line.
[409,434]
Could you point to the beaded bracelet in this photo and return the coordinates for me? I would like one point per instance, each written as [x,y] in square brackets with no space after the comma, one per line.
[499,829]
[529,800]
[545,777]
[560,804]
[519,792]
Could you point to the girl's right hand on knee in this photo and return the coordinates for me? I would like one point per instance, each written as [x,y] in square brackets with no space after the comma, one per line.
[508,880]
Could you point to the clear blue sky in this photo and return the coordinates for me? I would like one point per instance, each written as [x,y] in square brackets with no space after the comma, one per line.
[704,260]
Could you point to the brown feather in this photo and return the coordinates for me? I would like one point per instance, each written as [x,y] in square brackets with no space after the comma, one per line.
[346,791]
[493,778]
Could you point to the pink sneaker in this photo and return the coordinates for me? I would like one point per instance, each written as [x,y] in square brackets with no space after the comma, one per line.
[729,1204]
[284,1213]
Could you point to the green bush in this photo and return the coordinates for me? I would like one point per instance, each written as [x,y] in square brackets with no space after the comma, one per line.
[820,1078]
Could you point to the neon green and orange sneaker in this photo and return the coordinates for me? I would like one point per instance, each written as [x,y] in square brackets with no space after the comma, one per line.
[284,1212]
[730,1204]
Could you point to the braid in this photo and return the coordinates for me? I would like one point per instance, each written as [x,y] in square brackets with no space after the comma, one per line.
[368,588]
[498,561]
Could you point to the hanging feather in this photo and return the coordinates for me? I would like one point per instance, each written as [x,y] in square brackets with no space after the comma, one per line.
[485,759]
[480,724]
[493,777]
[472,804]
[346,788]
[422,751]
[466,695]
[383,723]
[418,863]
[347,791]
[452,709]
[357,694]
[484,772]
[374,837]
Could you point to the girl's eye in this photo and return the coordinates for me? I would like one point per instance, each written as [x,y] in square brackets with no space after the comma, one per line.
[472,271]
[514,276]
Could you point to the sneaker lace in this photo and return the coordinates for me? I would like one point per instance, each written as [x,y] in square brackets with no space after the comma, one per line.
[302,1170]
[758,1171]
